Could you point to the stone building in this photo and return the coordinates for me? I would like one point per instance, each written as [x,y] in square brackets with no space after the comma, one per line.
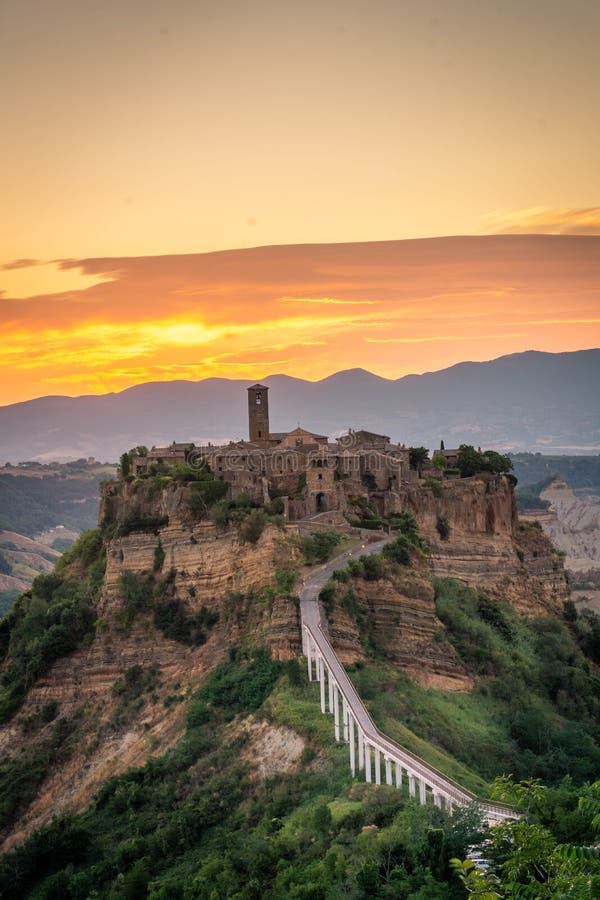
[312,474]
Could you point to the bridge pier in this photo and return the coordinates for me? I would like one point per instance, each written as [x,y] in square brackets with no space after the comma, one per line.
[388,770]
[398,775]
[321,665]
[411,785]
[445,794]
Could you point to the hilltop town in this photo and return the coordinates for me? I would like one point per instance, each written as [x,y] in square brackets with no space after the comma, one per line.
[311,474]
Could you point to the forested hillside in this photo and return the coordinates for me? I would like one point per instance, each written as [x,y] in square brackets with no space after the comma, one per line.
[577,471]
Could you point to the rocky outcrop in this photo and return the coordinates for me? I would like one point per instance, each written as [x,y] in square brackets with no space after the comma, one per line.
[235,580]
[395,616]
[485,545]
[573,525]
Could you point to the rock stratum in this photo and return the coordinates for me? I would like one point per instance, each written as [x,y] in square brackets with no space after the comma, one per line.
[238,586]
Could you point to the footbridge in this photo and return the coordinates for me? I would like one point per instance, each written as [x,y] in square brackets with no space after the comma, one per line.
[372,753]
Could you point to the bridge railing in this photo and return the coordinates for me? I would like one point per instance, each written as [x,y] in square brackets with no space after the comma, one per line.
[415,766]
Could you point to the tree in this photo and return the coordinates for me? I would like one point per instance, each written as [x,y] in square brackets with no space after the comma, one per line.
[497,463]
[528,860]
[416,457]
[469,461]
[125,465]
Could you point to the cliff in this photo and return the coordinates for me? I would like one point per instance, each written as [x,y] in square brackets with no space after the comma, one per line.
[573,525]
[484,543]
[394,616]
[229,581]
[122,694]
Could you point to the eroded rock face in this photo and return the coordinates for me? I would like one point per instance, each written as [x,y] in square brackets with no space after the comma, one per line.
[573,524]
[218,572]
[396,615]
[486,546]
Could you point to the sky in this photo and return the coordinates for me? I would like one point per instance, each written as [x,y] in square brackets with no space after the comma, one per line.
[141,139]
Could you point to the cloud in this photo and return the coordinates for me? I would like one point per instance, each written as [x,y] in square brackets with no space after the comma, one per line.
[20,264]
[394,307]
[542,220]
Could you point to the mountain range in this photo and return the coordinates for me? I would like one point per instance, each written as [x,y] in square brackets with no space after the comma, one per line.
[531,401]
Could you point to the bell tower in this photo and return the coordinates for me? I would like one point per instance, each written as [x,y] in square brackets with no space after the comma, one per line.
[258,412]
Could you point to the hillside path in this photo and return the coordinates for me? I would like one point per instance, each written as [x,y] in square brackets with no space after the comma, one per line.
[369,737]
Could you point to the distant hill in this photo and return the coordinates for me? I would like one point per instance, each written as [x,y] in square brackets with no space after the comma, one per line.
[30,504]
[528,401]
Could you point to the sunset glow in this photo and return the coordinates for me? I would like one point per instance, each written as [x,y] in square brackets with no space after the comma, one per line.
[143,142]
[397,308]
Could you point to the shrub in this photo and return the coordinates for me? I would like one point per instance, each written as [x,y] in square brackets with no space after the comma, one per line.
[136,522]
[318,546]
[373,567]
[398,551]
[434,485]
[241,684]
[252,526]
[137,593]
[443,527]
[172,618]
[159,557]
[327,596]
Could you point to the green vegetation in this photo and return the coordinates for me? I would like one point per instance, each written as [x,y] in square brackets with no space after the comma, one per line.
[577,471]
[471,462]
[159,557]
[7,600]
[528,497]
[144,592]
[535,710]
[175,622]
[248,517]
[194,824]
[365,514]
[69,496]
[318,546]
[417,457]
[527,857]
[443,527]
[52,619]
[135,521]
[21,775]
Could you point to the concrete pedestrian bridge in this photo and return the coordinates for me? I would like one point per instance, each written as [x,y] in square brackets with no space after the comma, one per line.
[372,752]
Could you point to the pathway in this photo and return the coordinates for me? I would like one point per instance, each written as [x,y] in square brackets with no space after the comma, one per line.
[371,751]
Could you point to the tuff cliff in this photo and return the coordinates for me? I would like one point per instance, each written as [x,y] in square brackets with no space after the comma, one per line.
[158,542]
[484,543]
[394,616]
[124,694]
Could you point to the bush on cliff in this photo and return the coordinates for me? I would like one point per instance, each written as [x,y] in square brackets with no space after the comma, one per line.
[318,546]
[54,618]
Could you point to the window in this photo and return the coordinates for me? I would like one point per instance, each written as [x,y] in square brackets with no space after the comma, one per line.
[258,398]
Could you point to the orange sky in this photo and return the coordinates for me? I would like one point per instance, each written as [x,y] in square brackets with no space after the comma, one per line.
[393,308]
[143,130]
